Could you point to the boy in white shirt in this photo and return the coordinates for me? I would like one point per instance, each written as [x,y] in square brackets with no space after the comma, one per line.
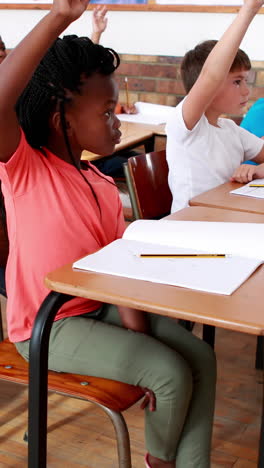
[204,150]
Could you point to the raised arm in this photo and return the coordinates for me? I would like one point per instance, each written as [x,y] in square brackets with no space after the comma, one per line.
[218,64]
[99,23]
[18,67]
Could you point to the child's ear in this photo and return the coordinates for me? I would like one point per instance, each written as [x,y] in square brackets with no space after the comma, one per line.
[57,124]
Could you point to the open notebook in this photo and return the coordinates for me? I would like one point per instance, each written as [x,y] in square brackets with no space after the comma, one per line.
[255,192]
[216,275]
[148,113]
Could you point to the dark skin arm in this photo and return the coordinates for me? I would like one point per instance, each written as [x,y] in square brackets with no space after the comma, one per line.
[134,319]
[20,64]
[137,320]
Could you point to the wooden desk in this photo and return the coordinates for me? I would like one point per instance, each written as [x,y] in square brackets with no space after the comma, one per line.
[242,311]
[219,197]
[133,134]
[219,310]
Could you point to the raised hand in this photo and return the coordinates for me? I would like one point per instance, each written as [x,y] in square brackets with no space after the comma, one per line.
[254,5]
[69,9]
[99,19]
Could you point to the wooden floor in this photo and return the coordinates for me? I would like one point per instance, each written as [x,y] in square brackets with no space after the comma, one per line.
[80,435]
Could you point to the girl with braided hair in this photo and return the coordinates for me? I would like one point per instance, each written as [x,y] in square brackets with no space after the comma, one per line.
[59,98]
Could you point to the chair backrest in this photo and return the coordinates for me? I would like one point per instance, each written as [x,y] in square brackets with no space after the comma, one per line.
[147,180]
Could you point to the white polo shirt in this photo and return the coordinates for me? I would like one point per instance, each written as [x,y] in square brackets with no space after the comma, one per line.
[206,156]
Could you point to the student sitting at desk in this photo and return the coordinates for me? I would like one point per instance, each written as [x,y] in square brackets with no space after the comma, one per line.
[113,164]
[59,99]
[253,121]
[2,50]
[204,150]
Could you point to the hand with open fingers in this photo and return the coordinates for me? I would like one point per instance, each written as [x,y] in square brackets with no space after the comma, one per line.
[69,9]
[99,19]
[149,399]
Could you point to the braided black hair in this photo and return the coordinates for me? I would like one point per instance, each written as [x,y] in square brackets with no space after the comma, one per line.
[62,68]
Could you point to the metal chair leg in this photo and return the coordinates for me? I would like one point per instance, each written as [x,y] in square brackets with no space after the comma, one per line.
[261,441]
[38,379]
[122,437]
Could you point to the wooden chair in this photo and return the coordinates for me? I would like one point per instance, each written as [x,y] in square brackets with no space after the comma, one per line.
[147,181]
[112,396]
[150,195]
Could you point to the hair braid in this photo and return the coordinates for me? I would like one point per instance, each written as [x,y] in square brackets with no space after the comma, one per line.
[61,69]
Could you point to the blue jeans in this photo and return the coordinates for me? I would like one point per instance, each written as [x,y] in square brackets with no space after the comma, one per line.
[2,282]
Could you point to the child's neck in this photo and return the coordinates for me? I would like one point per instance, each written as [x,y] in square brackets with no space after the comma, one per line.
[212,116]
[59,149]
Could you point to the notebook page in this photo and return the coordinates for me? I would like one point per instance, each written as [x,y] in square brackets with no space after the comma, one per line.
[148,113]
[213,237]
[246,190]
[215,275]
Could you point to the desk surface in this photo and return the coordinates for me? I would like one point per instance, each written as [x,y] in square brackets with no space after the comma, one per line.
[132,134]
[242,311]
[219,197]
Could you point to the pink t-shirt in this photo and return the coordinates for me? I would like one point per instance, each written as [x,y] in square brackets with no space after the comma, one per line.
[52,219]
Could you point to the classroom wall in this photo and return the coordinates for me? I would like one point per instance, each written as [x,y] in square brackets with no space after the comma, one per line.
[151,45]
[156,79]
[143,32]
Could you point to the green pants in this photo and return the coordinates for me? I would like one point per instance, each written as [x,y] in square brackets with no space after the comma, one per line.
[179,368]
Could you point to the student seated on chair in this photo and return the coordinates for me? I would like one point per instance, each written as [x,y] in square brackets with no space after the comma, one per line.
[253,121]
[2,50]
[113,164]
[203,149]
[59,99]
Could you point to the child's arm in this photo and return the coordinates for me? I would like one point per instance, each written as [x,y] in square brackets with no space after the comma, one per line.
[99,22]
[134,319]
[218,64]
[18,67]
[246,173]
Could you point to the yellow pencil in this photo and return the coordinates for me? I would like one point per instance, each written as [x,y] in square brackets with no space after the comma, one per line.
[127,97]
[182,255]
[256,185]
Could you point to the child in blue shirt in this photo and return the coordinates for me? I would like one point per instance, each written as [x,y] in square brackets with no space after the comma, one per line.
[254,119]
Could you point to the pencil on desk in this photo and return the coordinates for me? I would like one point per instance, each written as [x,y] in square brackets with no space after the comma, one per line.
[256,185]
[127,97]
[182,255]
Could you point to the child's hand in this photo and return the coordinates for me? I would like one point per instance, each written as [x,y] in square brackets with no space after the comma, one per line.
[149,400]
[99,20]
[69,9]
[254,5]
[246,173]
[131,109]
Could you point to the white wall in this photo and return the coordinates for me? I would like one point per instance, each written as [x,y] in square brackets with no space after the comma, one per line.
[151,33]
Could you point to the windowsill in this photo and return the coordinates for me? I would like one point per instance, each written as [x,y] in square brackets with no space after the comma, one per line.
[148,7]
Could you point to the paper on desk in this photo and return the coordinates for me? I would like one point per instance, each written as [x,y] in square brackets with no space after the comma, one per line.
[246,190]
[148,113]
[215,275]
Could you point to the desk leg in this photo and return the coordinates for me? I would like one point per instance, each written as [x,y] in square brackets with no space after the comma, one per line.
[261,442]
[38,379]
[259,352]
[149,144]
[209,334]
